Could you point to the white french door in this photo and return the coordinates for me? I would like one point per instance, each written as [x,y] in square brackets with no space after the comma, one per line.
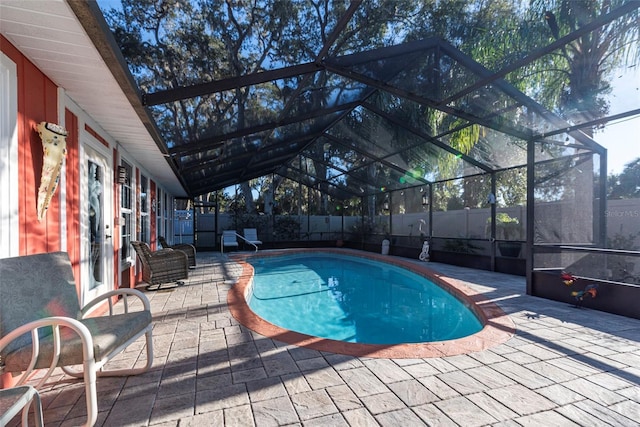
[96,224]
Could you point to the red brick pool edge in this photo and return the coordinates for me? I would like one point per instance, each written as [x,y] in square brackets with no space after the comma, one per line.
[498,327]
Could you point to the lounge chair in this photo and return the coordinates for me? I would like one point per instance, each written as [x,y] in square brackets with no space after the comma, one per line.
[188,249]
[42,325]
[251,236]
[228,240]
[163,266]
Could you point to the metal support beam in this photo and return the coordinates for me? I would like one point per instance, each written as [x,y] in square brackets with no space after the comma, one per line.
[531,176]
[185,92]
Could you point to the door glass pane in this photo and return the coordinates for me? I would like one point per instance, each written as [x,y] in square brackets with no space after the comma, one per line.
[95,191]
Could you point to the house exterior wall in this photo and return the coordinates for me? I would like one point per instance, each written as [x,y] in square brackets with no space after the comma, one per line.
[38,99]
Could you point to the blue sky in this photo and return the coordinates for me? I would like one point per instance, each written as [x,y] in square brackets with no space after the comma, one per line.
[622,139]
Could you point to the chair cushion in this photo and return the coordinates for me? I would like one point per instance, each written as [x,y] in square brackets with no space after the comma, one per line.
[108,332]
[33,287]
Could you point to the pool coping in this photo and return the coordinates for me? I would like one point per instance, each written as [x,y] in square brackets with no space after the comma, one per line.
[498,327]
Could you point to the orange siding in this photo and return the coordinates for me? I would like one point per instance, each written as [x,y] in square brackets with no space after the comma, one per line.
[97,136]
[37,101]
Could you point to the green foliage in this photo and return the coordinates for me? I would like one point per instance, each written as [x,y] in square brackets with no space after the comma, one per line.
[287,227]
[624,242]
[507,227]
[503,218]
[460,246]
[242,221]
[511,187]
[626,185]
[170,44]
[369,231]
[577,74]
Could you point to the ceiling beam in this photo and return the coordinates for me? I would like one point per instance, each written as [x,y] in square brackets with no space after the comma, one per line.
[176,94]
[340,25]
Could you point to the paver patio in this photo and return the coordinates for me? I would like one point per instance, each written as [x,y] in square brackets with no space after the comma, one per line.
[565,366]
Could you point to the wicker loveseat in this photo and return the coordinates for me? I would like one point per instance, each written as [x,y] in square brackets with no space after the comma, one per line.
[163,266]
[188,249]
[42,325]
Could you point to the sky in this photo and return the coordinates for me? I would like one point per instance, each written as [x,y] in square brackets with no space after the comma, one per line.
[622,138]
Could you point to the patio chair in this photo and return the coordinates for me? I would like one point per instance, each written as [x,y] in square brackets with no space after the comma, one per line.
[18,399]
[251,236]
[228,239]
[42,325]
[163,266]
[188,249]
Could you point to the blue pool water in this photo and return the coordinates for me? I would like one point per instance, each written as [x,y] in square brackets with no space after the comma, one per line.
[356,300]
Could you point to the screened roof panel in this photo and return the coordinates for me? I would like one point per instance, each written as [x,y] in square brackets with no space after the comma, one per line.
[297,175]
[486,146]
[324,90]
[558,146]
[381,70]
[429,120]
[322,154]
[487,103]
[367,131]
[434,77]
[276,155]
[381,178]
[358,136]
[430,163]
[310,93]
[586,101]
[227,150]
[340,156]
[311,126]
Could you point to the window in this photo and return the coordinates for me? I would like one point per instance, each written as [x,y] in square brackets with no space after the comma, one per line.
[160,231]
[144,235]
[126,208]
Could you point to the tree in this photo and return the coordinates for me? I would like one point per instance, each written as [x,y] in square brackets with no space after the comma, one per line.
[577,74]
[174,43]
[625,185]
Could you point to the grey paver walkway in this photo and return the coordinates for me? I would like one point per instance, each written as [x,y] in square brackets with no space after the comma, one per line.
[565,367]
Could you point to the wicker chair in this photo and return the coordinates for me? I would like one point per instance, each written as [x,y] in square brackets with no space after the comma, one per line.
[188,249]
[163,266]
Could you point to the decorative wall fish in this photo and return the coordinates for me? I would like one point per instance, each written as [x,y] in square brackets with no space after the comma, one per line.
[54,147]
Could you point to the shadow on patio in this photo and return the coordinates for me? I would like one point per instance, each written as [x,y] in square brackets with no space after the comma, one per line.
[563,366]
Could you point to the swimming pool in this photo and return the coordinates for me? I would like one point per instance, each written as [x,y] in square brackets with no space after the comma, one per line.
[496,326]
[354,299]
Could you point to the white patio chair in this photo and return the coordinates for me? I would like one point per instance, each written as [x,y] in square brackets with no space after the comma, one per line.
[251,236]
[228,240]
[42,325]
